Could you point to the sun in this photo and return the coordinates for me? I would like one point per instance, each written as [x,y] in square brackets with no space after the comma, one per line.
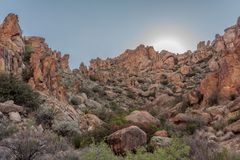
[169,44]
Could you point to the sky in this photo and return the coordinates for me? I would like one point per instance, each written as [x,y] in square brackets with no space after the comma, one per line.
[88,29]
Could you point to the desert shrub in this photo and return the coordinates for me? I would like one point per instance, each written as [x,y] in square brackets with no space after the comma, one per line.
[6,129]
[45,116]
[97,89]
[28,145]
[92,78]
[193,124]
[177,150]
[203,150]
[27,73]
[18,91]
[226,155]
[234,118]
[219,125]
[213,100]
[27,53]
[130,94]
[100,151]
[118,119]
[95,136]
[75,101]
[66,128]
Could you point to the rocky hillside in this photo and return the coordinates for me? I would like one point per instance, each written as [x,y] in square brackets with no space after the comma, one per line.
[194,93]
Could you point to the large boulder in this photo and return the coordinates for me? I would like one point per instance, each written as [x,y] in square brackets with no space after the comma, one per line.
[142,117]
[127,139]
[9,106]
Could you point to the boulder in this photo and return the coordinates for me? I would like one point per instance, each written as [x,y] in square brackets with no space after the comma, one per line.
[90,122]
[142,117]
[15,117]
[127,139]
[9,106]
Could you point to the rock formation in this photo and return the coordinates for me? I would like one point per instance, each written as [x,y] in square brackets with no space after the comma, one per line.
[198,87]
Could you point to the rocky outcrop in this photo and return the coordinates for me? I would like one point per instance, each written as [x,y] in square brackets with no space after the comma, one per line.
[126,139]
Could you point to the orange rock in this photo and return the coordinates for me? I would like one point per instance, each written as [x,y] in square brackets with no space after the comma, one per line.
[161,133]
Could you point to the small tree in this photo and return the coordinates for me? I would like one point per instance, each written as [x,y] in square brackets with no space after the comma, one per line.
[18,91]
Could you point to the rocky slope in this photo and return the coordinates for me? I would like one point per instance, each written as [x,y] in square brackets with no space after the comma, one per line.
[200,87]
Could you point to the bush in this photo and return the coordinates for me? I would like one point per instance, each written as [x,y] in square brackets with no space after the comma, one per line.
[66,128]
[92,78]
[6,129]
[27,73]
[235,118]
[27,53]
[95,136]
[45,116]
[192,125]
[202,150]
[130,94]
[99,152]
[75,101]
[177,150]
[18,91]
[29,145]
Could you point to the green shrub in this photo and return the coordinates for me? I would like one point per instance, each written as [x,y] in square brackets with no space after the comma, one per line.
[27,73]
[118,119]
[75,101]
[235,118]
[6,129]
[192,125]
[177,150]
[45,116]
[95,136]
[130,94]
[27,53]
[66,128]
[18,91]
[92,78]
[99,152]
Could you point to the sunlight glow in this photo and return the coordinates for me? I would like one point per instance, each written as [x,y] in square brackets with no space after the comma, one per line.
[169,44]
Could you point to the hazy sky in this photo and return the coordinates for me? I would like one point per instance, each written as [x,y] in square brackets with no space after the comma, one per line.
[105,28]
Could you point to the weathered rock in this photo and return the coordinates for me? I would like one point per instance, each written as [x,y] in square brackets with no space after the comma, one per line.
[14,116]
[9,106]
[185,70]
[143,118]
[234,127]
[90,122]
[161,133]
[127,139]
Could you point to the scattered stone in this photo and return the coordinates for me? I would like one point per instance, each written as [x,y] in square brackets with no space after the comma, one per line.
[14,116]
[9,106]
